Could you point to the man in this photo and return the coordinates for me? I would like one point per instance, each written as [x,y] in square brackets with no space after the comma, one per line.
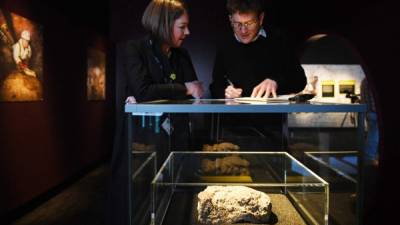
[254,62]
[257,63]
[22,53]
[371,145]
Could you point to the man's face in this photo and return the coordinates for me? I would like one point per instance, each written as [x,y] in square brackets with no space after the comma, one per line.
[25,43]
[246,25]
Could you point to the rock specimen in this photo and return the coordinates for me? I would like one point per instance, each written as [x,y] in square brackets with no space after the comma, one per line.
[229,165]
[233,204]
[221,147]
[142,147]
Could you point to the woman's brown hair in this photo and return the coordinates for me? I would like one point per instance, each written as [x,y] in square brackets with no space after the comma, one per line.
[159,18]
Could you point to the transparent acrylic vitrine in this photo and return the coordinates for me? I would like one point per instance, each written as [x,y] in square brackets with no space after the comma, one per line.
[192,126]
[340,170]
[144,166]
[298,195]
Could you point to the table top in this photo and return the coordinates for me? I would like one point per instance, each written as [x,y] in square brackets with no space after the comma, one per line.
[232,106]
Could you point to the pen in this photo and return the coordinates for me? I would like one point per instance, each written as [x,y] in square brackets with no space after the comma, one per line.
[229,81]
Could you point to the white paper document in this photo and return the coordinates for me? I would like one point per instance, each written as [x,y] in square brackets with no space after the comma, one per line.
[278,99]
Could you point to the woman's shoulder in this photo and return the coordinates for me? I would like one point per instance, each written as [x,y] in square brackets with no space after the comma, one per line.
[136,46]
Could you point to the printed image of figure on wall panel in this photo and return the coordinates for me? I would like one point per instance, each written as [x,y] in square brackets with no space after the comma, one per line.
[21,59]
[96,74]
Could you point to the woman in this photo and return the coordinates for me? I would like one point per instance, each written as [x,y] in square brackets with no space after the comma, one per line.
[155,67]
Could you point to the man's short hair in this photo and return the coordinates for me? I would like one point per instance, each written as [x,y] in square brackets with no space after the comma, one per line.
[159,18]
[245,6]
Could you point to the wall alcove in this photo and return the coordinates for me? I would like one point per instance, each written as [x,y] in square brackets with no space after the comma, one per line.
[336,73]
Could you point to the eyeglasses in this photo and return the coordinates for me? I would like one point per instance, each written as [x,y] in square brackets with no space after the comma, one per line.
[248,25]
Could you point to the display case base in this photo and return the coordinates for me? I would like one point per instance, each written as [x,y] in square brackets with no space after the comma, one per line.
[183,211]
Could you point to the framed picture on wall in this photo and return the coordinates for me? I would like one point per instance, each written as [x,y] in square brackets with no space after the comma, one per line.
[21,58]
[96,73]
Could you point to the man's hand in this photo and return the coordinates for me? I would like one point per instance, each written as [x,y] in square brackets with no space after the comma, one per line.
[231,92]
[194,88]
[265,89]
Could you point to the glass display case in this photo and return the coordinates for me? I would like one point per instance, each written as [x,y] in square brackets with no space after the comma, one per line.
[340,170]
[298,196]
[340,163]
[143,166]
[260,128]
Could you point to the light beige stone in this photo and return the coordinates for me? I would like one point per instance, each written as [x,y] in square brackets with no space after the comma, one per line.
[229,165]
[233,204]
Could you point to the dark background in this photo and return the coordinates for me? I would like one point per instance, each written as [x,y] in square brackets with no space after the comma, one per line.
[45,144]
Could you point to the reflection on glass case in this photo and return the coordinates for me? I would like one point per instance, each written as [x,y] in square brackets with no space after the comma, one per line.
[339,169]
[343,163]
[297,195]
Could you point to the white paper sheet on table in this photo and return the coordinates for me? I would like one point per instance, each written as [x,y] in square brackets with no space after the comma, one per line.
[278,99]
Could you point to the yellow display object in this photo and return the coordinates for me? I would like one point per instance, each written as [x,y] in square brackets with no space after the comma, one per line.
[347,86]
[347,82]
[328,82]
[227,179]
[328,88]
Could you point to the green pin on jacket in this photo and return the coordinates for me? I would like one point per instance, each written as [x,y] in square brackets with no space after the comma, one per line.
[172,76]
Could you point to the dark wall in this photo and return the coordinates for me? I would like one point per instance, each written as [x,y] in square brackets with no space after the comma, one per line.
[371,28]
[43,144]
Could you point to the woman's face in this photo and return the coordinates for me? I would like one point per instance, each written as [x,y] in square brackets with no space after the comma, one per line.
[180,30]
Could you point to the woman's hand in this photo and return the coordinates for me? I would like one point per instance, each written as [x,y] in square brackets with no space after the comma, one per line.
[194,88]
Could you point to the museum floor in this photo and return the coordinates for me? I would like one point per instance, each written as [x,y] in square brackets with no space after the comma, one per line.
[83,202]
